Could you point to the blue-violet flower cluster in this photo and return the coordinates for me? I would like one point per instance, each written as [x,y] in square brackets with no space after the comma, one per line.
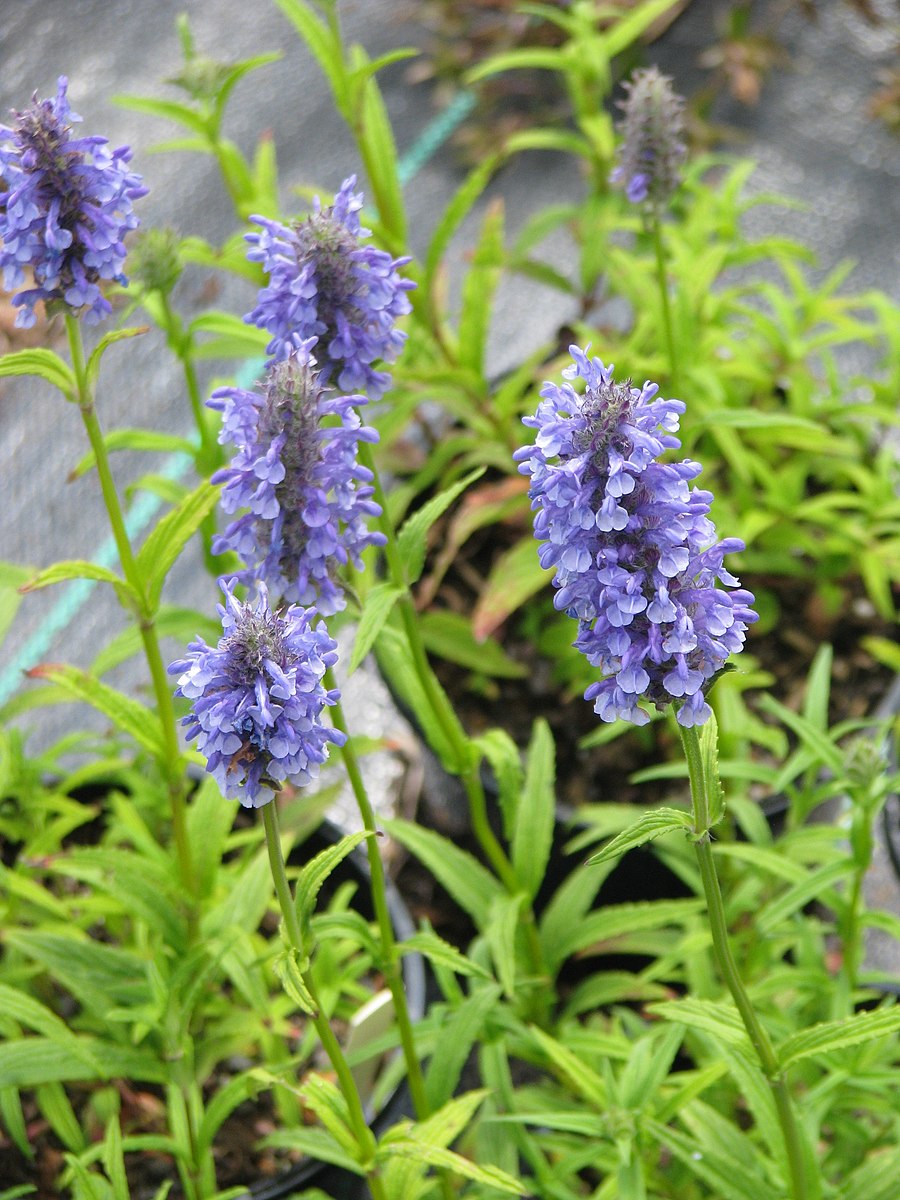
[634,552]
[296,472]
[652,148]
[323,283]
[257,698]
[66,208]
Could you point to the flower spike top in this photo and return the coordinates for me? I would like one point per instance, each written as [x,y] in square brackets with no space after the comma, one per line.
[652,150]
[257,698]
[66,208]
[296,471]
[323,283]
[635,554]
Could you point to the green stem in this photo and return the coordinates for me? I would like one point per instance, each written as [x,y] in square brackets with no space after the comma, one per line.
[208,457]
[172,763]
[662,280]
[467,766]
[718,922]
[393,973]
[364,1136]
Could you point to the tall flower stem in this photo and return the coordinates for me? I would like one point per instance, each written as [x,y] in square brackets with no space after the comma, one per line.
[172,763]
[762,1044]
[463,755]
[364,1136]
[665,305]
[393,974]
[208,457]
[437,700]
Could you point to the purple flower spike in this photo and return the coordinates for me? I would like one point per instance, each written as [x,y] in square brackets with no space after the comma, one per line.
[257,698]
[296,471]
[652,129]
[634,552]
[65,211]
[324,284]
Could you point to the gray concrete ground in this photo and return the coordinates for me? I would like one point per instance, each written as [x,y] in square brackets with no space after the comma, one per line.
[810,136]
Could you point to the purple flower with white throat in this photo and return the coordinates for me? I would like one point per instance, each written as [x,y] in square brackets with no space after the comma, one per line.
[323,283]
[634,552]
[65,211]
[308,499]
[257,698]
[652,148]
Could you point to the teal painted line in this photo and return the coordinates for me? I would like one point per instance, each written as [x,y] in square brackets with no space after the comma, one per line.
[433,136]
[77,593]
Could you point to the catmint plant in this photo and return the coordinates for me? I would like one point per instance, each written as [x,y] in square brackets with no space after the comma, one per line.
[636,564]
[67,207]
[324,283]
[296,472]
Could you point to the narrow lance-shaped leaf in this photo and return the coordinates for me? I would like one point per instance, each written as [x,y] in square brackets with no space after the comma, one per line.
[43,363]
[169,536]
[64,572]
[412,538]
[126,714]
[647,827]
[314,874]
[533,827]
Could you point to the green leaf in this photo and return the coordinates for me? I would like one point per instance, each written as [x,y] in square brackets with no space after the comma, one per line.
[323,1098]
[524,58]
[314,874]
[63,572]
[502,926]
[14,1124]
[443,954]
[449,636]
[32,1061]
[506,763]
[44,363]
[291,972]
[56,1108]
[532,837]
[448,1160]
[396,663]
[136,439]
[585,1082]
[129,715]
[324,46]
[515,577]
[109,339]
[468,882]
[720,1019]
[379,150]
[454,214]
[412,538]
[478,290]
[170,535]
[771,915]
[829,1036]
[227,337]
[377,607]
[717,1171]
[171,110]
[459,1033]
[647,827]
[599,930]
